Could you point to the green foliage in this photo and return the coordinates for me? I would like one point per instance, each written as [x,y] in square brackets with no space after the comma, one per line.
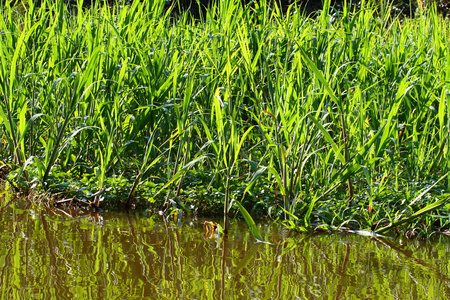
[335,121]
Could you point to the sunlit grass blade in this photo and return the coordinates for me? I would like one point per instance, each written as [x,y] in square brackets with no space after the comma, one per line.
[414,216]
[251,223]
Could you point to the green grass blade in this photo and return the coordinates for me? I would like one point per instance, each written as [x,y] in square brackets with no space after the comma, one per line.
[251,223]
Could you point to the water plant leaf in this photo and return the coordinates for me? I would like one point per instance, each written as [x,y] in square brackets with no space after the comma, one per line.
[309,211]
[414,216]
[328,138]
[180,173]
[255,176]
[251,223]
[424,192]
[241,142]
[320,77]
[277,177]
[430,207]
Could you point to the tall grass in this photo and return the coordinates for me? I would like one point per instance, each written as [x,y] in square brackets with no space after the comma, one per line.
[338,119]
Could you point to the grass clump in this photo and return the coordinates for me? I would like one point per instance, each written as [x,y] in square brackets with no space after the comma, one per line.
[336,121]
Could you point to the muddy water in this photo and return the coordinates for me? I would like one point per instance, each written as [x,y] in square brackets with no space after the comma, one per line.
[55,254]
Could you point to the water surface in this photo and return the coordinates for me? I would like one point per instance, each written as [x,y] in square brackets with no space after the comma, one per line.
[56,254]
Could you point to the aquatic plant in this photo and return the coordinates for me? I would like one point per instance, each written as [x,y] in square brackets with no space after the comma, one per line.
[334,120]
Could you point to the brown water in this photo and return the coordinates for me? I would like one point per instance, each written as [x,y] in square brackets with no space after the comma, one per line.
[48,254]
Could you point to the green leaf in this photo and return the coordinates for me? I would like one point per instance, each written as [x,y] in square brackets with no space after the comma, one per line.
[251,223]
[328,138]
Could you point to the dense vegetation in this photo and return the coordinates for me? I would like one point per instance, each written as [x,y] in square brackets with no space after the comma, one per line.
[401,8]
[337,120]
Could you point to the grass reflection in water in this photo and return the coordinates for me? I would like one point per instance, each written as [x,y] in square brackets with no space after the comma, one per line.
[49,254]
